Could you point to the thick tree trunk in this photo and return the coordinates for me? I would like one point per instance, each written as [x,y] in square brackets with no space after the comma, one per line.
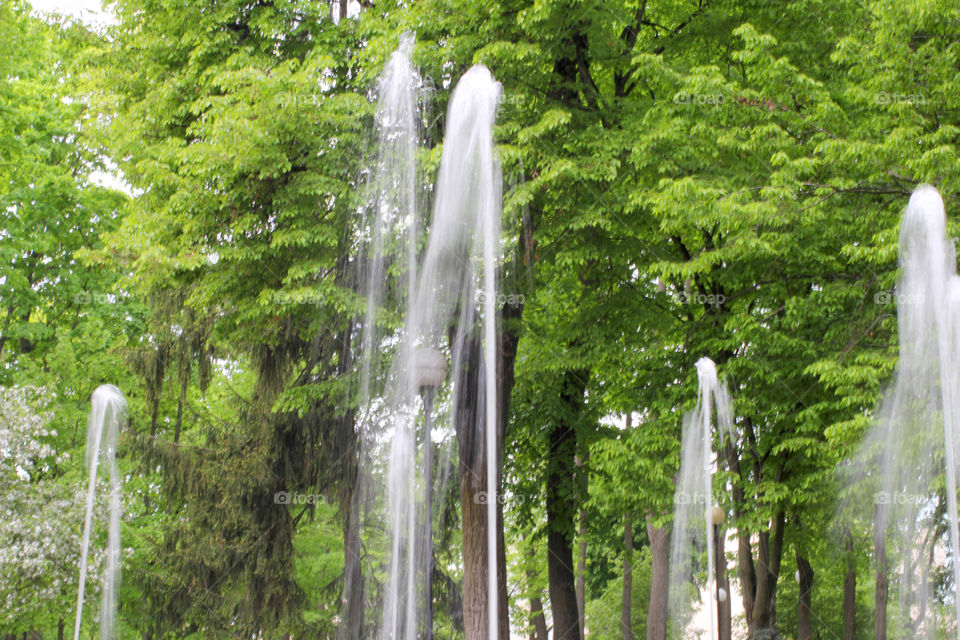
[746,571]
[472,476]
[472,470]
[582,556]
[563,596]
[510,317]
[473,505]
[769,554]
[804,601]
[626,609]
[473,495]
[659,580]
[849,589]
[561,511]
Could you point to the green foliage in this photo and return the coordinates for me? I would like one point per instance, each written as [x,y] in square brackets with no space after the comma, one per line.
[318,549]
[604,612]
[683,179]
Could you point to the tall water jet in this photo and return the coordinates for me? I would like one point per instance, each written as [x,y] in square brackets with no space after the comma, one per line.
[456,288]
[459,272]
[389,234]
[103,428]
[391,222]
[438,303]
[912,446]
[695,514]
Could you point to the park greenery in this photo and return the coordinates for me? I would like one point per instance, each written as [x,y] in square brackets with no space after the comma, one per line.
[682,178]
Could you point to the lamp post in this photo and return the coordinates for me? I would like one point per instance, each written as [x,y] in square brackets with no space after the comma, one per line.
[430,370]
[717,516]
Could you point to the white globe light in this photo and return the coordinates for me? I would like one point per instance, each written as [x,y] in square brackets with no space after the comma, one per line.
[429,367]
[715,515]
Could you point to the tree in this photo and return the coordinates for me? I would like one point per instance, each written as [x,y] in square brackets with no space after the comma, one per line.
[38,562]
[51,207]
[241,141]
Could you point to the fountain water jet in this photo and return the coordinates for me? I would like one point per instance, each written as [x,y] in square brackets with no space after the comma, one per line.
[392,223]
[103,428]
[913,442]
[460,268]
[695,514]
[390,233]
[458,271]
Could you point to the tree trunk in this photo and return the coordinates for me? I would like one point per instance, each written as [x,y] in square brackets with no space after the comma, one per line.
[352,627]
[849,589]
[769,553]
[503,606]
[474,494]
[626,610]
[804,601]
[510,323]
[725,608]
[880,596]
[154,411]
[184,383]
[6,328]
[561,511]
[473,498]
[538,630]
[582,556]
[473,504]
[745,568]
[539,621]
[659,580]
[472,471]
